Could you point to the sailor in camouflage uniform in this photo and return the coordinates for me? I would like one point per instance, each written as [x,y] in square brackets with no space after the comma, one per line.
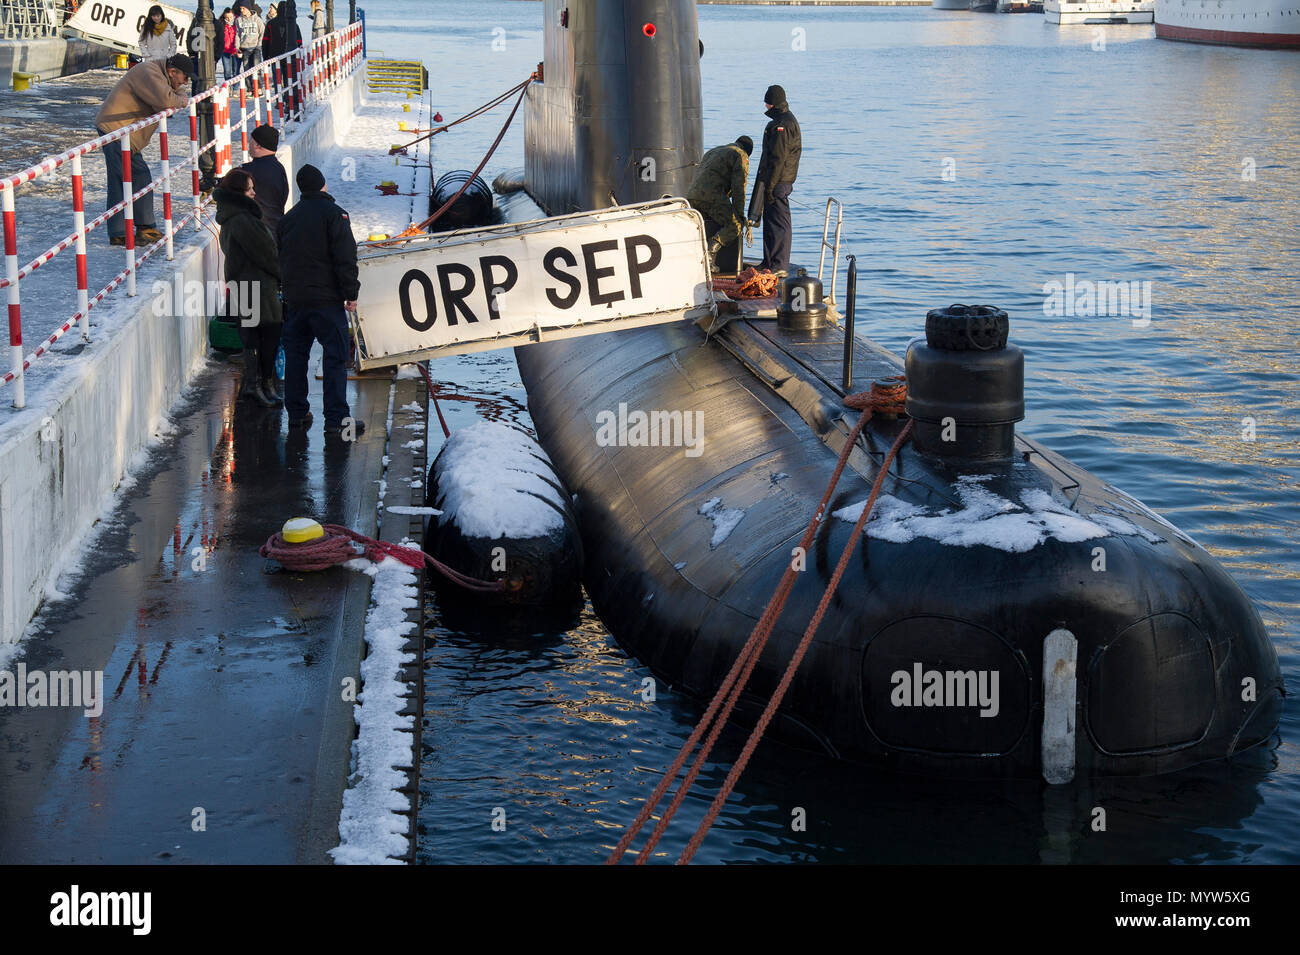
[718,192]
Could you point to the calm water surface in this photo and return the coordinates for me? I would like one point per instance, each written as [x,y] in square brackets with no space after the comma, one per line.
[1123,163]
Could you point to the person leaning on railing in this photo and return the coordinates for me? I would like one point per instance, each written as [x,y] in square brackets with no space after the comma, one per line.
[146,88]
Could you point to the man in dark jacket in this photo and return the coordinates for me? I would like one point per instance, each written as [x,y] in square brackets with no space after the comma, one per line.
[718,193]
[777,170]
[318,269]
[268,174]
[284,35]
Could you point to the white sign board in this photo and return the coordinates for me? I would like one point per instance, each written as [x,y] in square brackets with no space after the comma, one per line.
[117,23]
[502,286]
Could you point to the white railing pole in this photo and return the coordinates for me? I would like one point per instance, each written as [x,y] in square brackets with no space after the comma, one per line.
[15,309]
[128,213]
[194,161]
[167,190]
[79,223]
[243,124]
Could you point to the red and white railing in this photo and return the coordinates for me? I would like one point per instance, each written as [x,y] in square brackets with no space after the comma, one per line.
[274,92]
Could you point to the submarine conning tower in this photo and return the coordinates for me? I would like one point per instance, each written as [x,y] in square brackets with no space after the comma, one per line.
[616,117]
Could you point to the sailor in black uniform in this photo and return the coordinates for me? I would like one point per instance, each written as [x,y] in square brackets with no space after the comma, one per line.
[770,203]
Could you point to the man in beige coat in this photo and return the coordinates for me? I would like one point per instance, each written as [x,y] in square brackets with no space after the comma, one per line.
[147,88]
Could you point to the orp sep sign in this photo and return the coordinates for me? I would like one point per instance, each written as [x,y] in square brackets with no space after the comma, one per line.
[508,285]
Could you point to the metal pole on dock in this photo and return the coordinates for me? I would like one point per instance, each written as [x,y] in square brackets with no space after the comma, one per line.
[849,309]
[207,79]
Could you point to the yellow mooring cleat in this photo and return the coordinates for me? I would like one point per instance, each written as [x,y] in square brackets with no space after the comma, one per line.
[300,530]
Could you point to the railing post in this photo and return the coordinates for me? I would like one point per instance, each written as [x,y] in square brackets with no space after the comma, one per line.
[194,161]
[79,223]
[15,309]
[269,95]
[167,188]
[299,97]
[280,98]
[257,96]
[849,309]
[222,103]
[243,124]
[128,213]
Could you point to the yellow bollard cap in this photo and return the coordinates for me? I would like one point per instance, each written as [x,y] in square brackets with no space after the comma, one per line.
[374,237]
[299,530]
[402,126]
[406,107]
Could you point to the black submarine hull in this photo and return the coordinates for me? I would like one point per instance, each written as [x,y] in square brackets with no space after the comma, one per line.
[1174,666]
[1011,618]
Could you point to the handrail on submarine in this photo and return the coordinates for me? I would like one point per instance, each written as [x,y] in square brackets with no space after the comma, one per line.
[834,247]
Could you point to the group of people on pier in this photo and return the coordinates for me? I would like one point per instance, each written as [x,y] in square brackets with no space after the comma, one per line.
[296,270]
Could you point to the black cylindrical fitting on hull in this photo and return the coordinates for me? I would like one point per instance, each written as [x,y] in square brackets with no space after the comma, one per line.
[801,303]
[473,208]
[966,385]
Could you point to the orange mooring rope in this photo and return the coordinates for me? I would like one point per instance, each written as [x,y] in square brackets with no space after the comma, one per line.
[886,397]
[750,283]
[336,548]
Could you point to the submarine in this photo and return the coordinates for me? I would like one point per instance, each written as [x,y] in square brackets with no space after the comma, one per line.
[1006,614]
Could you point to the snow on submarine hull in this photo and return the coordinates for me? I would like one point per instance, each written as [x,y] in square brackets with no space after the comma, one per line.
[974,571]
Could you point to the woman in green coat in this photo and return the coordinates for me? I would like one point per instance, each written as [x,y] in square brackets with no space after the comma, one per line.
[253,284]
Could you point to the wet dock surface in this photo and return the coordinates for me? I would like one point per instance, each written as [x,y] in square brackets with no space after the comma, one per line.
[222,683]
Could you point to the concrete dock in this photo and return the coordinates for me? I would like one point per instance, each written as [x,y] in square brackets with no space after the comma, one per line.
[229,693]
[222,685]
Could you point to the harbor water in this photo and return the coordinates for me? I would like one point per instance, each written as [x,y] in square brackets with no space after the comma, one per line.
[979,159]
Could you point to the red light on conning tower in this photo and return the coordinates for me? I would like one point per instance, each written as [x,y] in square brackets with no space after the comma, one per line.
[648,29]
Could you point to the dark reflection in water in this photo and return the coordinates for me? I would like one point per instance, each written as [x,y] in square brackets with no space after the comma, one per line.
[550,725]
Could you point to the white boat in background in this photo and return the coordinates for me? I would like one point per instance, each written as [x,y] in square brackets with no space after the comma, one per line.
[1099,11]
[1268,23]
[950,4]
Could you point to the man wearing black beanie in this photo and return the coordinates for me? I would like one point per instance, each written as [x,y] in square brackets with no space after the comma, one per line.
[777,170]
[318,275]
[271,181]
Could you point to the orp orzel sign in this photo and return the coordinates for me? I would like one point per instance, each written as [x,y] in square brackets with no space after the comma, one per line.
[509,285]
